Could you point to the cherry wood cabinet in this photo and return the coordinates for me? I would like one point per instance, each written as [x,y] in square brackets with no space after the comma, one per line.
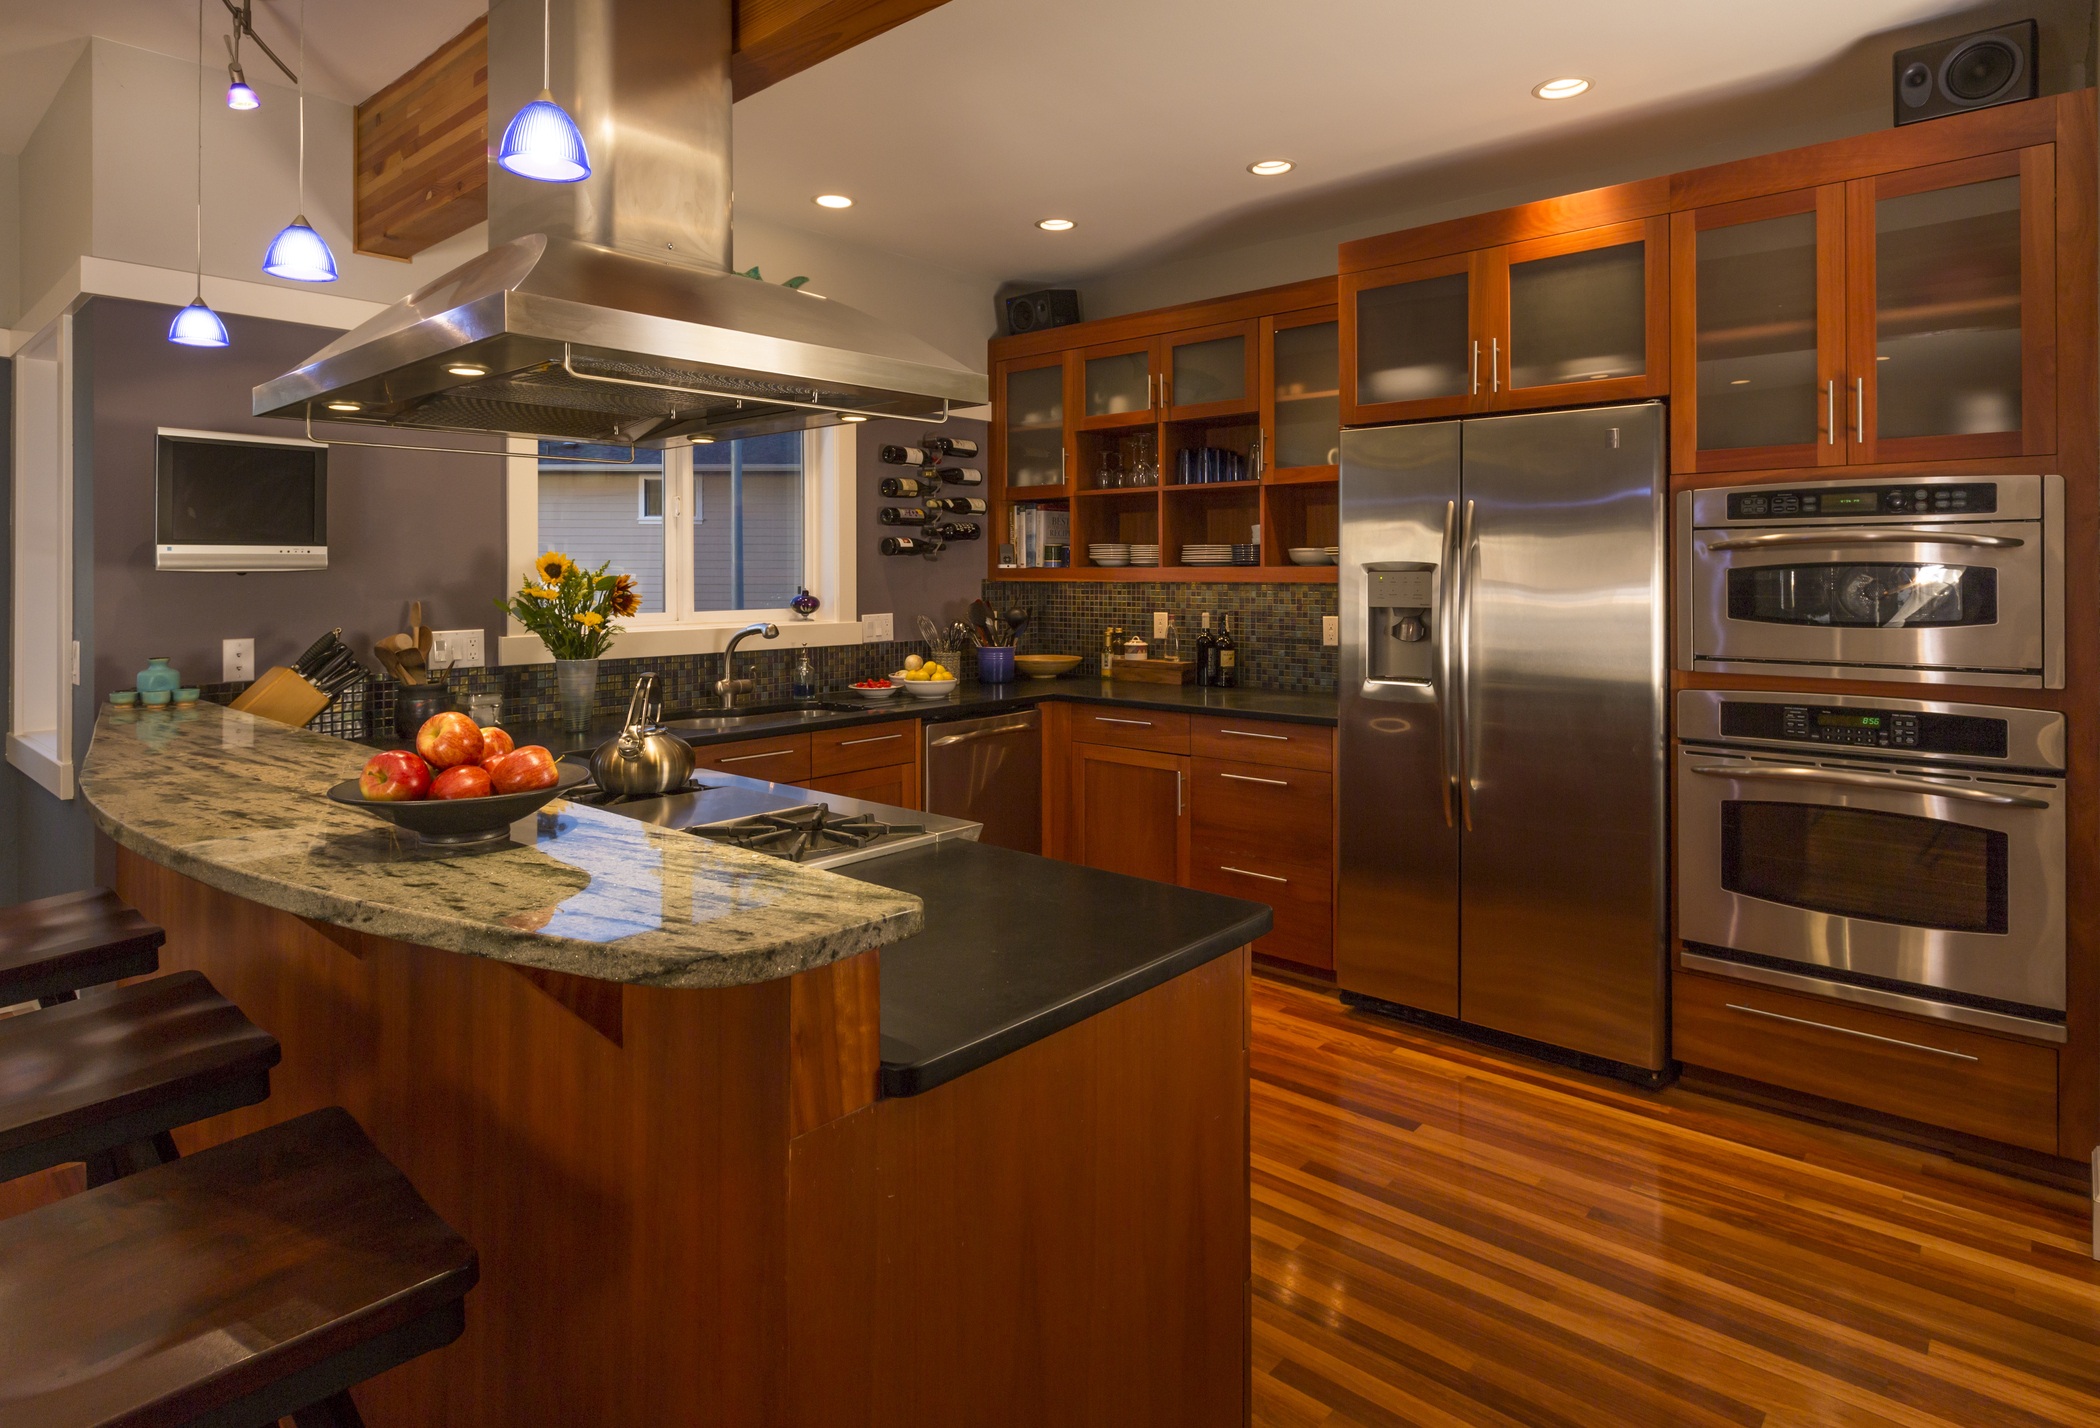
[894,784]
[1130,811]
[877,762]
[783,758]
[1265,832]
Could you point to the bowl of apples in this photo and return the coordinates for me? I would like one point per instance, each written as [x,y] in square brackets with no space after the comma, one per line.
[461,787]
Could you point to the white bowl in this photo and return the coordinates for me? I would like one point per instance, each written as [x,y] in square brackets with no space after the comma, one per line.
[873,695]
[1308,555]
[930,688]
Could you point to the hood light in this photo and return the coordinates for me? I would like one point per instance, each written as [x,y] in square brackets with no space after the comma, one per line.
[346,406]
[198,326]
[467,369]
[1560,88]
[848,416]
[832,200]
[1055,225]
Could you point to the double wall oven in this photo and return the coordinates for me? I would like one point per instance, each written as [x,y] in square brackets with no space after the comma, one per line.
[1889,851]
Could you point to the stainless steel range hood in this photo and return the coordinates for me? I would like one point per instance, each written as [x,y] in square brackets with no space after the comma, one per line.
[607,311]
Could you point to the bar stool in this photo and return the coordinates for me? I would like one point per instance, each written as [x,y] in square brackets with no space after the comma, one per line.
[105,1078]
[54,946]
[259,1279]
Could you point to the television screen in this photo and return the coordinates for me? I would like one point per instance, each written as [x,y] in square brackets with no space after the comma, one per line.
[224,495]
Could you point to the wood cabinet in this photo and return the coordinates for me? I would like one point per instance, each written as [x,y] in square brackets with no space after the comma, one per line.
[1265,832]
[783,758]
[877,762]
[1902,317]
[1130,811]
[1553,321]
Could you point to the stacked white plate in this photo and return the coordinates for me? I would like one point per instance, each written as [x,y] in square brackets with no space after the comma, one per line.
[1144,554]
[1206,555]
[1108,553]
[1334,555]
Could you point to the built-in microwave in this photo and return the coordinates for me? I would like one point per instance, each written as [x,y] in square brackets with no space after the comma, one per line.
[1890,851]
[1934,579]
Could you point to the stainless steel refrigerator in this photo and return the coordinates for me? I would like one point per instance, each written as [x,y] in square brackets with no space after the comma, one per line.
[1503,761]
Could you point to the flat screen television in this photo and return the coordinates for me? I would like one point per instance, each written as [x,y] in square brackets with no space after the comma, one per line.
[239,503]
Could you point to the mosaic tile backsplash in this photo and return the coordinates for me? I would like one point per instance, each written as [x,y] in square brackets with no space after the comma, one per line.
[1277,627]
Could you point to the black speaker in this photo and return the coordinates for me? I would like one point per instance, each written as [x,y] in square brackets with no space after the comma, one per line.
[1972,72]
[1052,307]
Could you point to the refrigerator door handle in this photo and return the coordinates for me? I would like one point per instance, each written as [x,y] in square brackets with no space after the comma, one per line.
[1446,706]
[1463,580]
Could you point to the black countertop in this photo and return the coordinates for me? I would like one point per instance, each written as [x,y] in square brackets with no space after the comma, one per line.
[1017,947]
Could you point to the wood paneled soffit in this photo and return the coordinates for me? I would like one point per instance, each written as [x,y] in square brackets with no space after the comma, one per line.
[422,142]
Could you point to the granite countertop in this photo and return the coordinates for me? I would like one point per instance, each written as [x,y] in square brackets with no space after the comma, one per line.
[238,803]
[1017,947]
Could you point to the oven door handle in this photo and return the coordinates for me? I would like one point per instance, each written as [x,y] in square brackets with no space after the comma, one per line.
[1789,773]
[1882,536]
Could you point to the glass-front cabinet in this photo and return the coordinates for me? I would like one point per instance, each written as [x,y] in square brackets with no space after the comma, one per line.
[1409,341]
[1302,396]
[1119,384]
[1212,371]
[1032,417]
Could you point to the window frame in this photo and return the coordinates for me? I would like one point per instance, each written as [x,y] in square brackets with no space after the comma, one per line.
[828,559]
[642,483]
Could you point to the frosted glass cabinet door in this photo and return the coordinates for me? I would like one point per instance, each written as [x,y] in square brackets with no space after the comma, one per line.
[1035,425]
[1117,386]
[1755,335]
[1413,342]
[1209,371]
[1578,317]
[1947,287]
[1307,395]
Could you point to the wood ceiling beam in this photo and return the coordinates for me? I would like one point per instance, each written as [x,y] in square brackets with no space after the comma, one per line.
[422,142]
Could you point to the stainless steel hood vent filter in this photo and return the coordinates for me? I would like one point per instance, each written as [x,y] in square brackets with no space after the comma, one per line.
[606,311]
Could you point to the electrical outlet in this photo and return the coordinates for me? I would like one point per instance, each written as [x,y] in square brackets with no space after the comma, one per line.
[1330,629]
[1159,624]
[457,649]
[877,629]
[237,660]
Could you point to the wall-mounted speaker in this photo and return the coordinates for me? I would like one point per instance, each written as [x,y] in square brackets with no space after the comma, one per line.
[1971,72]
[1052,307]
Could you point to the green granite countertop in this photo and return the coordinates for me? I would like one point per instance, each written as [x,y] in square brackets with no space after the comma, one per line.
[238,802]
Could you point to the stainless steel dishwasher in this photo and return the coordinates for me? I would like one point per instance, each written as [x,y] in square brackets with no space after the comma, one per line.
[990,771]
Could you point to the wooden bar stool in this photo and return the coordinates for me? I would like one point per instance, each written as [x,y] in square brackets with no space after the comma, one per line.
[258,1279]
[105,1078]
[54,946]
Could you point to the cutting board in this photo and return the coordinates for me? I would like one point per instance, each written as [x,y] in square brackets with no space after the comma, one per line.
[1153,671]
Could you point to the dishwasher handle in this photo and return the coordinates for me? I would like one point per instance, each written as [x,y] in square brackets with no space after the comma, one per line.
[976,734]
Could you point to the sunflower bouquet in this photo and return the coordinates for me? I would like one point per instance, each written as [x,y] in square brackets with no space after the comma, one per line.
[572,609]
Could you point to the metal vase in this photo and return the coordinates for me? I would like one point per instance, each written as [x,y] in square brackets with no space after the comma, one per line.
[576,689]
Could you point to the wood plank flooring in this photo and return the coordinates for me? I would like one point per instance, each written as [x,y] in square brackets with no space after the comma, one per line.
[1447,1236]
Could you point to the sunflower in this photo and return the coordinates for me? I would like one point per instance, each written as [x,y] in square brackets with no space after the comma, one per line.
[540,592]
[589,619]
[626,599]
[553,567]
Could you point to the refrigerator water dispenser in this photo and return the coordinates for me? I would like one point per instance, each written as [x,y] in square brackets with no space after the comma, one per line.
[1402,598]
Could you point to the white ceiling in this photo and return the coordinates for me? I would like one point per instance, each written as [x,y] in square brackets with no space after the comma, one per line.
[354,47]
[955,132]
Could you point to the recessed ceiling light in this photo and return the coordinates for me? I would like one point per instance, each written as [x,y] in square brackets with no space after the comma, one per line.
[1560,88]
[1054,225]
[346,406]
[1739,381]
[832,200]
[467,369]
[848,416]
[1268,168]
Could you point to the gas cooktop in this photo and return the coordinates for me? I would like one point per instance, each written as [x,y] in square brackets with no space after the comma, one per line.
[811,833]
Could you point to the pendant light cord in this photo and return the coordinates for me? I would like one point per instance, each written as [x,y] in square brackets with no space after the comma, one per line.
[546,45]
[302,109]
[200,150]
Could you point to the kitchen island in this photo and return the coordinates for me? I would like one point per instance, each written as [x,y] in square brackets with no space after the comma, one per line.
[719,1165]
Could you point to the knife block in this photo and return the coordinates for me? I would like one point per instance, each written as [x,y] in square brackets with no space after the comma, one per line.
[283,696]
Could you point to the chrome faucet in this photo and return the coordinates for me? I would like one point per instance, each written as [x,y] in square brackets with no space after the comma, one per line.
[728,687]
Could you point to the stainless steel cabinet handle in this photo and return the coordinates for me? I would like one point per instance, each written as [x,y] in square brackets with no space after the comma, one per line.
[1880,536]
[1180,804]
[1476,367]
[1250,778]
[746,758]
[1848,1031]
[1248,873]
[1249,734]
[1830,411]
[871,739]
[1111,719]
[1788,773]
[1466,540]
[1062,477]
[1494,364]
[1859,410]
[975,734]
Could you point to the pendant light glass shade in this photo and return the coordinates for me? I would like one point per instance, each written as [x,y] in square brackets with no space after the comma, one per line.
[198,326]
[300,253]
[542,142]
[239,94]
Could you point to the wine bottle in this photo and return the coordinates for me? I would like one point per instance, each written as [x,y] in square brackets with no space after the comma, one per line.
[906,456]
[962,446]
[903,516]
[906,545]
[967,505]
[908,487]
[960,475]
[955,530]
[1206,653]
[1228,657]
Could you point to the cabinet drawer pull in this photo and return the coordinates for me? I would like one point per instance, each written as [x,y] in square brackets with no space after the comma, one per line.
[1250,778]
[746,758]
[1181,804]
[1249,734]
[1106,719]
[1245,873]
[871,739]
[1848,1031]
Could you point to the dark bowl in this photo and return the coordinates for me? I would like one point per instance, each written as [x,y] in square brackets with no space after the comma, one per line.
[456,823]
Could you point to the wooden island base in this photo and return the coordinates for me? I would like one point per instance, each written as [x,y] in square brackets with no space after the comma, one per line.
[691,1207]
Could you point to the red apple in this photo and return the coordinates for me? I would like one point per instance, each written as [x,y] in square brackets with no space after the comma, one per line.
[495,743]
[524,770]
[396,776]
[449,738]
[461,781]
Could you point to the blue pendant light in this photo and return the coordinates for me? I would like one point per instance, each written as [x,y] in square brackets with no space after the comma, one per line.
[239,95]
[197,325]
[541,141]
[298,252]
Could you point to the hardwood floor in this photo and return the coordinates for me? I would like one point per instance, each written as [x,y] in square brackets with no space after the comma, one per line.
[1446,1236]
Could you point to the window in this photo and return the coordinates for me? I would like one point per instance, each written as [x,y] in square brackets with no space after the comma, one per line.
[589,512]
[651,502]
[747,523]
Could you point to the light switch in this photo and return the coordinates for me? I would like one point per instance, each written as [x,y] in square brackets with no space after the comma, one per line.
[1159,624]
[457,649]
[1330,629]
[877,629]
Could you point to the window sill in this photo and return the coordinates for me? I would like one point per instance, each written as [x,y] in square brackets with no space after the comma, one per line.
[655,641]
[36,754]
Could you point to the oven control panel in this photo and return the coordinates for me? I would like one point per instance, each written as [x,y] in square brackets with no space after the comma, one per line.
[1862,726]
[1823,503]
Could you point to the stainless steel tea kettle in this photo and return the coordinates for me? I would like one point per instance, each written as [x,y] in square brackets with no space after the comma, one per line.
[645,760]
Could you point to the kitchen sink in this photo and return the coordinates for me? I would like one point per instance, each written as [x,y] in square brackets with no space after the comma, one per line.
[708,721]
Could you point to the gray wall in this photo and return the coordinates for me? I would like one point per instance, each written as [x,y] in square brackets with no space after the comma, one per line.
[940,587]
[401,525]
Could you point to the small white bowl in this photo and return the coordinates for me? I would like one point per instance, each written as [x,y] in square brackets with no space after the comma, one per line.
[1307,555]
[931,688]
[873,695]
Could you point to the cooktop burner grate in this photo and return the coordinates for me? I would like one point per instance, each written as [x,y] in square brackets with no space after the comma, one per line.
[806,832]
[595,797]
